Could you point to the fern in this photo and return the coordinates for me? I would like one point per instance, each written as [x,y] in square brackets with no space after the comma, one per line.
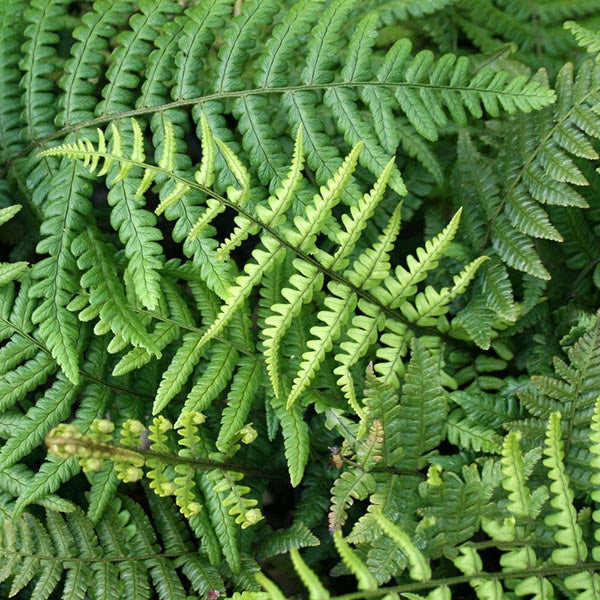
[572,393]
[300,240]
[299,286]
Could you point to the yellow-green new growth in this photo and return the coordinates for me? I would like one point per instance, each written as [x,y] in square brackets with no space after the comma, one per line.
[568,531]
[595,479]
[419,568]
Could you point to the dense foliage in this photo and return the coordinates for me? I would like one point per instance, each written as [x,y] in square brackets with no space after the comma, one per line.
[298,298]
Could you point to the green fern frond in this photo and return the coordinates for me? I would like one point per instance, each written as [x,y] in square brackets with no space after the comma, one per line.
[569,533]
[465,433]
[585,38]
[295,437]
[419,569]
[285,540]
[469,562]
[244,388]
[403,285]
[348,487]
[488,26]
[365,272]
[572,393]
[106,292]
[422,407]
[594,439]
[97,559]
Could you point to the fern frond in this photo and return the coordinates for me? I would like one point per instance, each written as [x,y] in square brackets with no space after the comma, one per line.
[364,577]
[348,487]
[184,361]
[465,433]
[15,385]
[11,32]
[213,379]
[38,61]
[594,439]
[469,562]
[211,212]
[489,26]
[295,437]
[339,307]
[403,283]
[572,393]
[242,394]
[585,38]
[98,26]
[106,292]
[514,476]
[130,56]
[422,407]
[56,275]
[53,407]
[569,533]
[285,540]
[95,559]
[419,568]
[223,523]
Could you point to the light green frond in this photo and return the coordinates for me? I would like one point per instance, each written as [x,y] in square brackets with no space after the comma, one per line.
[7,213]
[349,486]
[316,590]
[595,449]
[205,175]
[568,532]
[339,307]
[590,40]
[469,562]
[419,568]
[244,387]
[273,213]
[514,481]
[430,304]
[318,212]
[356,566]
[242,508]
[393,347]
[373,265]
[355,222]
[295,437]
[362,333]
[265,258]
[279,202]
[403,283]
[302,286]
[239,195]
[274,593]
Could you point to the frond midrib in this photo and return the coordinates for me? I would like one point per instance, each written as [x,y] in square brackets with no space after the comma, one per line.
[200,100]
